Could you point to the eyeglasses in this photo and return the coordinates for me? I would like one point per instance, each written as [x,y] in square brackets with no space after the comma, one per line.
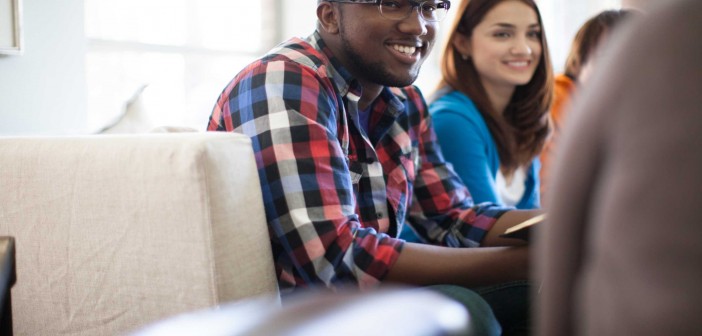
[433,11]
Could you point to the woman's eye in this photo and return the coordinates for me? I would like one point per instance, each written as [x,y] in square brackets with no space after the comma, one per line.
[534,34]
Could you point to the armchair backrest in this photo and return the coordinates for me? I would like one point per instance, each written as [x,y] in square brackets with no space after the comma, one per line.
[116,231]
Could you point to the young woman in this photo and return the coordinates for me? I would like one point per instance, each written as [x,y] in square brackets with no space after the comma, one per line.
[491,110]
[490,115]
[578,66]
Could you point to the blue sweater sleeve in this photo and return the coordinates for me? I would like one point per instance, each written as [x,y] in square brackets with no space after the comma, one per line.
[467,144]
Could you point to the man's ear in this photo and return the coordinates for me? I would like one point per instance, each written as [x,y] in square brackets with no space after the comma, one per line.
[328,17]
[461,43]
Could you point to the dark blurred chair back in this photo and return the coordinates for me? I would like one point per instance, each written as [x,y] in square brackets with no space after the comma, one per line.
[7,279]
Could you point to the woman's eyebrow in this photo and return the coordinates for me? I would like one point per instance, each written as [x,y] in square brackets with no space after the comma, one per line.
[509,25]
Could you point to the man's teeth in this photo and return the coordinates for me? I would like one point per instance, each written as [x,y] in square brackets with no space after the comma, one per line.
[405,49]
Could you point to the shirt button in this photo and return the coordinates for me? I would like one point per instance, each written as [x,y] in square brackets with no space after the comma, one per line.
[379,215]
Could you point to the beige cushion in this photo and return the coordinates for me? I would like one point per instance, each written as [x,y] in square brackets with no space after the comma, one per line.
[113,232]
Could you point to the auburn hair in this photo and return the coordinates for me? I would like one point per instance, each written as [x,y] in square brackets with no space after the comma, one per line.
[521,132]
[588,38]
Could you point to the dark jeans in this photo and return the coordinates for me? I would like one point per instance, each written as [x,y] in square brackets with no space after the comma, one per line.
[511,304]
[501,309]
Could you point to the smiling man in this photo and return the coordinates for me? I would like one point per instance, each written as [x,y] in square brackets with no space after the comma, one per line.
[347,155]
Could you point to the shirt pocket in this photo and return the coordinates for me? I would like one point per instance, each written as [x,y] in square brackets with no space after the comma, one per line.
[355,173]
[410,163]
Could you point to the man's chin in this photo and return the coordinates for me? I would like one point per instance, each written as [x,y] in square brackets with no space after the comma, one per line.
[399,81]
[381,74]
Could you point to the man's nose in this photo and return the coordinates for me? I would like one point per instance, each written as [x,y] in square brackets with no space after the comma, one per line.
[415,23]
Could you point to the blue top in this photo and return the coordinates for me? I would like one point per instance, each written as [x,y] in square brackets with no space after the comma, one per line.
[468,144]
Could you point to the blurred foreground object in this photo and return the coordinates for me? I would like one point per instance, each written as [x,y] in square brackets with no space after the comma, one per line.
[383,312]
[620,251]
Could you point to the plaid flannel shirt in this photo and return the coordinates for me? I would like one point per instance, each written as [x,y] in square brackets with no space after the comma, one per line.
[336,197]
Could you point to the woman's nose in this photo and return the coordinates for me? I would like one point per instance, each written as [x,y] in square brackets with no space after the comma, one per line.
[522,47]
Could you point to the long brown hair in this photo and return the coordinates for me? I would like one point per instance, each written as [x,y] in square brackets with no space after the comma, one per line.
[588,38]
[521,132]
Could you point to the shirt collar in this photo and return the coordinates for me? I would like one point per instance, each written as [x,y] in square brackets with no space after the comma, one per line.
[339,75]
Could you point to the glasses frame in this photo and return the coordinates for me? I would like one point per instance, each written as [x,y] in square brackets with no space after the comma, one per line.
[415,4]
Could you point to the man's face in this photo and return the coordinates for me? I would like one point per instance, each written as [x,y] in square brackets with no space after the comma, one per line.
[383,51]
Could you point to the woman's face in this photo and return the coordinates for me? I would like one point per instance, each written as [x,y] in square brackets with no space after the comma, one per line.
[505,46]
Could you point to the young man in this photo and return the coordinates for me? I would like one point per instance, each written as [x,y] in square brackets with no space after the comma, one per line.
[346,154]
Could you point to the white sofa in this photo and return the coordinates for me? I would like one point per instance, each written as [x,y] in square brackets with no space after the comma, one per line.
[114,232]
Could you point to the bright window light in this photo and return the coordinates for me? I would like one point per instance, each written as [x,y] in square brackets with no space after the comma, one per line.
[184,52]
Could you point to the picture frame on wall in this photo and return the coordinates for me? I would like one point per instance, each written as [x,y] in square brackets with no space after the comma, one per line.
[11,27]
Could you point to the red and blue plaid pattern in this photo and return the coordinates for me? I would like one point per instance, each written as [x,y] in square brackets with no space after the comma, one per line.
[336,197]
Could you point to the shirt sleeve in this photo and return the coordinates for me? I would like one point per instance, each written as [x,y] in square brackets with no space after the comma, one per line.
[442,210]
[290,113]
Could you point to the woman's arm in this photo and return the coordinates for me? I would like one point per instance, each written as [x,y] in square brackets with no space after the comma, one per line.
[466,144]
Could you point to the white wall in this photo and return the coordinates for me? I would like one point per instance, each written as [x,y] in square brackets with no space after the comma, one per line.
[43,90]
[562,19]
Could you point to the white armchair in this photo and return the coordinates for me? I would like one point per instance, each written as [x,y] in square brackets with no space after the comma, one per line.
[115,231]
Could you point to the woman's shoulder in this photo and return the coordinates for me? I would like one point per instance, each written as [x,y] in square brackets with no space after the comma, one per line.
[453,102]
[455,112]
[564,82]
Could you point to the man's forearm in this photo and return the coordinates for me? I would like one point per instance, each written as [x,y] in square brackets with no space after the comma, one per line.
[507,220]
[421,264]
